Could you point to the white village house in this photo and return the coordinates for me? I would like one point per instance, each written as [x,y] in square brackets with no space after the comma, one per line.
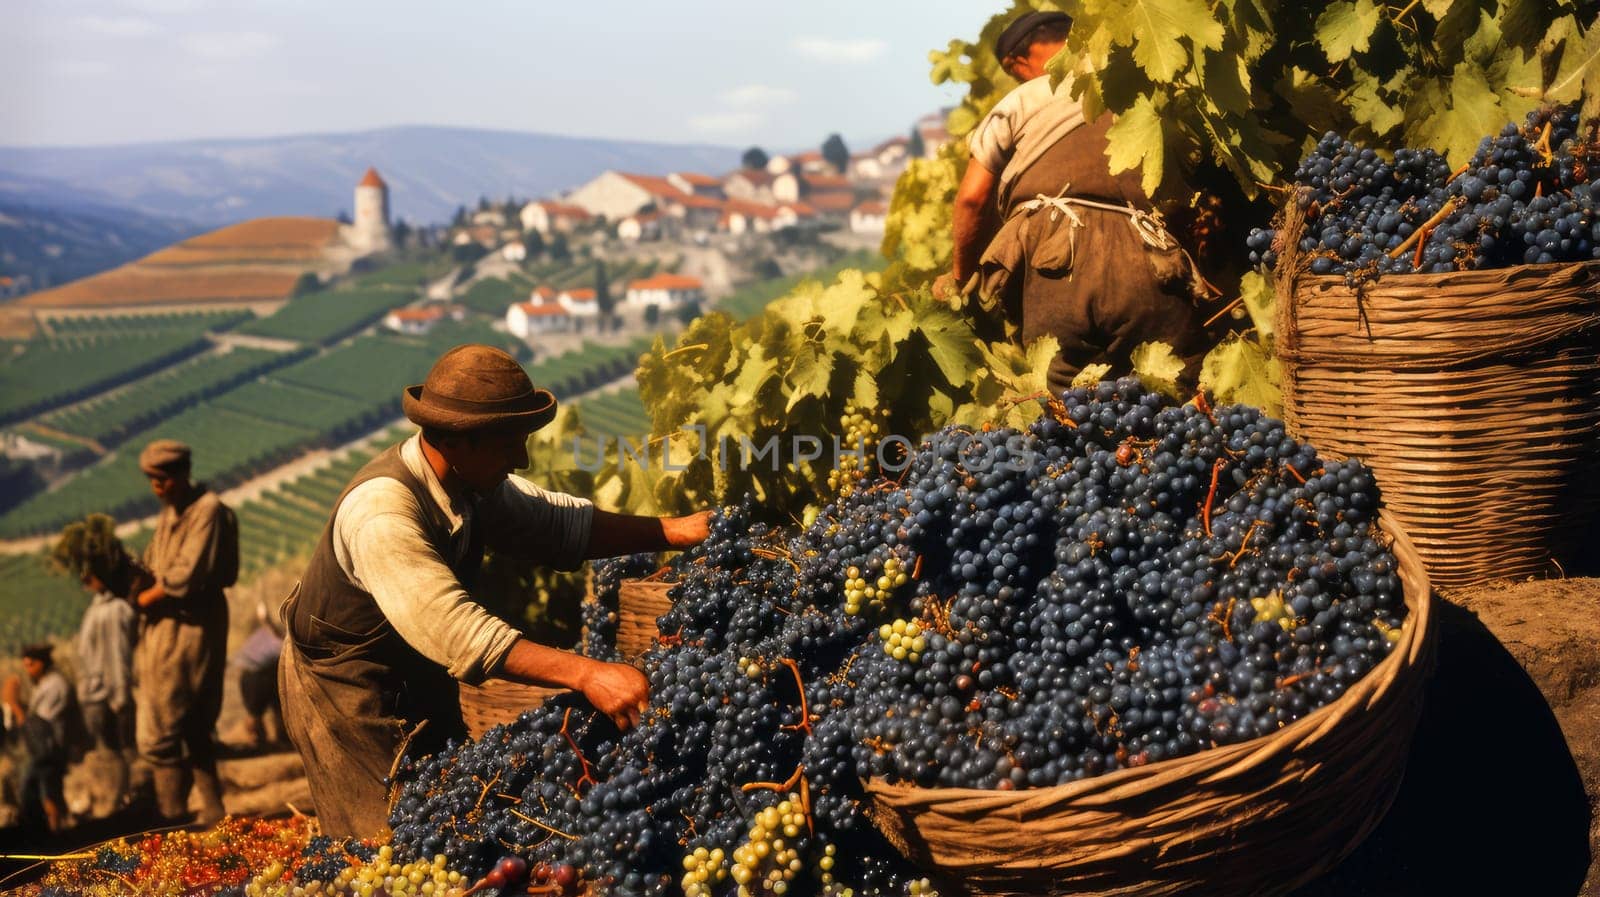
[666,291]
[870,217]
[524,319]
[579,303]
[547,217]
[615,195]
[419,320]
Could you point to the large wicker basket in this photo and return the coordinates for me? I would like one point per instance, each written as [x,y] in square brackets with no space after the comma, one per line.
[1474,396]
[1257,818]
[639,603]
[497,702]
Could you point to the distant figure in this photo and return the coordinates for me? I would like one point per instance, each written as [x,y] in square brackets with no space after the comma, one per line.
[105,674]
[257,660]
[90,550]
[183,634]
[43,726]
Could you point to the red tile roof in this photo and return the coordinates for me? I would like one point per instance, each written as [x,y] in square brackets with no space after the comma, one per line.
[800,209]
[832,201]
[543,292]
[542,310]
[750,209]
[655,186]
[665,281]
[699,180]
[827,182]
[585,294]
[371,179]
[873,207]
[430,313]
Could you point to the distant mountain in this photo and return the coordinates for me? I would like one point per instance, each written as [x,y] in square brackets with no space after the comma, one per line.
[51,232]
[430,170]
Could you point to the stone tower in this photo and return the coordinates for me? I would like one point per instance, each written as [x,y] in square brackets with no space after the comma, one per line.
[370,231]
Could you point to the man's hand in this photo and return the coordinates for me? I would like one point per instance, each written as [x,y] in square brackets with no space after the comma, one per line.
[151,595]
[688,531]
[945,286]
[617,690]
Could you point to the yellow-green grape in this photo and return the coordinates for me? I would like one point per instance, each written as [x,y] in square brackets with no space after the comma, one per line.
[922,887]
[903,640]
[703,871]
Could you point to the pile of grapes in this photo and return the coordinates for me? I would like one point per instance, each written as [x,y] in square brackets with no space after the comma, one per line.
[1526,197]
[1126,581]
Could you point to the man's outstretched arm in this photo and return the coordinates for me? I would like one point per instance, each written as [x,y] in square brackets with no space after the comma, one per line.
[974,198]
[611,534]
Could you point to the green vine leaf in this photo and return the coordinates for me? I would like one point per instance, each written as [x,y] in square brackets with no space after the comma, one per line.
[1136,139]
[1346,28]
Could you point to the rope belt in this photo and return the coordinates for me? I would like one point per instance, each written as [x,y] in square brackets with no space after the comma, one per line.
[1150,226]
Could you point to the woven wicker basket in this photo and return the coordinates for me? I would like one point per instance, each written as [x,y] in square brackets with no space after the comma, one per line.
[1258,818]
[639,603]
[497,702]
[1473,396]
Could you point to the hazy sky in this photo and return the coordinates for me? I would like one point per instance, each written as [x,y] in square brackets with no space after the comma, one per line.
[79,72]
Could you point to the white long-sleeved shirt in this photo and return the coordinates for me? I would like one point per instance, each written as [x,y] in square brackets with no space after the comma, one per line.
[380,542]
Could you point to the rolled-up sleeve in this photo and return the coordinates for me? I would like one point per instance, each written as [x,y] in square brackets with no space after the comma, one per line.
[995,138]
[528,522]
[391,558]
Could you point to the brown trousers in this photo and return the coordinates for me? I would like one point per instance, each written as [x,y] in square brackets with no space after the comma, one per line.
[179,665]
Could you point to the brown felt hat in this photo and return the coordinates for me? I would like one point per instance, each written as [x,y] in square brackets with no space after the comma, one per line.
[164,457]
[477,387]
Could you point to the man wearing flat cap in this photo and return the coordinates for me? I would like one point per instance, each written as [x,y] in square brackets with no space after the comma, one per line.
[183,633]
[1069,249]
[383,620]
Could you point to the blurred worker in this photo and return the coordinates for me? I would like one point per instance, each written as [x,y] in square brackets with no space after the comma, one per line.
[1068,248]
[105,643]
[183,635]
[257,662]
[42,723]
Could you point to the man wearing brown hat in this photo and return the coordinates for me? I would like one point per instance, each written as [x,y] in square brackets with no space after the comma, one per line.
[1069,249]
[383,622]
[183,633]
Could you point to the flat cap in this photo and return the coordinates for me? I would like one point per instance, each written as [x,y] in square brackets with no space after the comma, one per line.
[1011,41]
[163,456]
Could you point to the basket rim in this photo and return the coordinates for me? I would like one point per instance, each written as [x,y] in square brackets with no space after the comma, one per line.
[1410,653]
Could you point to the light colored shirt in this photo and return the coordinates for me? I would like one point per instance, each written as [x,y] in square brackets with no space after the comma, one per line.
[259,651]
[185,549]
[51,697]
[105,651]
[1022,126]
[380,542]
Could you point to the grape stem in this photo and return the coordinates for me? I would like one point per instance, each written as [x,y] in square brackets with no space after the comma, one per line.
[586,776]
[805,711]
[793,782]
[552,830]
[1243,544]
[1225,309]
[1205,511]
[1420,234]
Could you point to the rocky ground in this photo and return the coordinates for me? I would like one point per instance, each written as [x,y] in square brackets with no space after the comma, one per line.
[1500,794]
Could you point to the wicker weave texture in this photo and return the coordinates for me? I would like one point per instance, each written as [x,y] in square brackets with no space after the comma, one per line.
[1473,396]
[639,603]
[1258,818]
[497,702]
